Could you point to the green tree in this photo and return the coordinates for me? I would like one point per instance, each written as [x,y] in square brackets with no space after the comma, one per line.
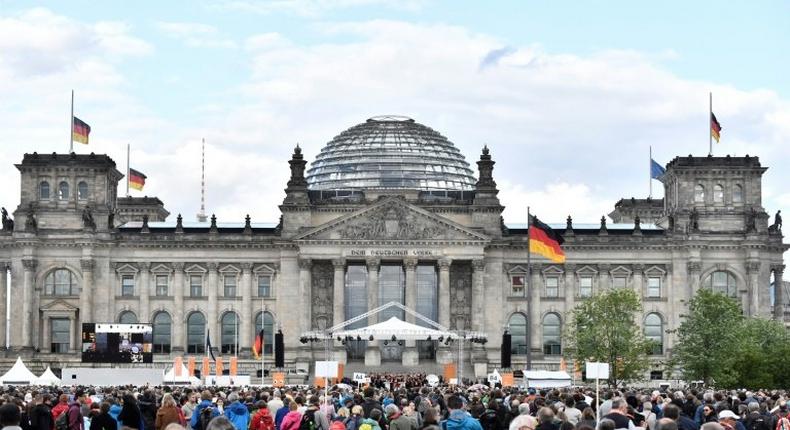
[603,329]
[708,337]
[760,354]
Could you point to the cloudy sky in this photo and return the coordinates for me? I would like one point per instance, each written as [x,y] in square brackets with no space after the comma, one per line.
[569,97]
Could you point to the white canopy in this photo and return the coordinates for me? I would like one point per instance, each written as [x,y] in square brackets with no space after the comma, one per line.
[402,330]
[19,374]
[547,379]
[48,378]
[170,377]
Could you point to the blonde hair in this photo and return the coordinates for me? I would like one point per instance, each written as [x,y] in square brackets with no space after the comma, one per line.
[356,410]
[167,400]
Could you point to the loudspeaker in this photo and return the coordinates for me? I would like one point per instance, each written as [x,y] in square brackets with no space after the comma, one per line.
[279,350]
[505,359]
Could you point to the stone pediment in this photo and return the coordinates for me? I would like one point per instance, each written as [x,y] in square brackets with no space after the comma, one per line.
[392,219]
[58,306]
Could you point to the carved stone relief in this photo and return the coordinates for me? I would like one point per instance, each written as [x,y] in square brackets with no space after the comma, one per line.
[321,286]
[392,222]
[460,296]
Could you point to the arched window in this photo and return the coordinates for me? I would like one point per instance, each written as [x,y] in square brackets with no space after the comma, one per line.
[722,282]
[127,317]
[551,335]
[43,190]
[196,333]
[82,190]
[230,332]
[162,327]
[737,193]
[517,326]
[63,190]
[718,193]
[265,321]
[699,193]
[60,282]
[654,330]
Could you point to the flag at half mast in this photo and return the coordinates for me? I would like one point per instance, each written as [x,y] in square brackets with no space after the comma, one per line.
[80,130]
[715,127]
[545,241]
[257,346]
[136,179]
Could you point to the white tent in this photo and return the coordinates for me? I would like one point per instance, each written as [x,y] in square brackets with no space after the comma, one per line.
[402,330]
[19,374]
[48,378]
[171,378]
[547,379]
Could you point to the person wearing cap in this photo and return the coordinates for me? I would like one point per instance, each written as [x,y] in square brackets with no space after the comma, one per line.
[524,421]
[728,419]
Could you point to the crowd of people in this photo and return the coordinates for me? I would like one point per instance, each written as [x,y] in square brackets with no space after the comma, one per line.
[393,402]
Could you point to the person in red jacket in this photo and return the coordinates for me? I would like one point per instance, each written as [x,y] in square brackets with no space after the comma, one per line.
[262,420]
[62,406]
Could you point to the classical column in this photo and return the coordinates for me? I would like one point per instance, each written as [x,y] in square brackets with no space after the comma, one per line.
[178,340]
[569,286]
[534,331]
[693,268]
[29,265]
[478,295]
[305,285]
[373,288]
[778,291]
[752,274]
[410,264]
[212,323]
[74,333]
[86,295]
[247,314]
[639,284]
[604,278]
[145,292]
[338,286]
[3,317]
[444,292]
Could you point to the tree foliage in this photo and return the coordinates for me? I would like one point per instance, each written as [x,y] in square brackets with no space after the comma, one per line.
[603,329]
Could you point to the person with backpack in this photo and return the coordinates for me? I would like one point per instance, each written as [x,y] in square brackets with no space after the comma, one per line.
[292,420]
[200,419]
[313,418]
[370,402]
[130,414]
[147,406]
[355,420]
[262,420]
[237,413]
[489,419]
[754,419]
[62,406]
[73,415]
[103,421]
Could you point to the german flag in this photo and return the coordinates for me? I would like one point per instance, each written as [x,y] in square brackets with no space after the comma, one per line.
[545,241]
[257,346]
[80,131]
[136,179]
[715,127]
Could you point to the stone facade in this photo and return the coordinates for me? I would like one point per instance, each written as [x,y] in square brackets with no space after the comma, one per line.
[70,263]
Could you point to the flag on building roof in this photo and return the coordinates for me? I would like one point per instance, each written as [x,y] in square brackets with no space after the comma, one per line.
[80,131]
[257,347]
[136,179]
[656,170]
[715,127]
[545,241]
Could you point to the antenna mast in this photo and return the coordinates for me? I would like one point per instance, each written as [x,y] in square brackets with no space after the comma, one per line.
[201,216]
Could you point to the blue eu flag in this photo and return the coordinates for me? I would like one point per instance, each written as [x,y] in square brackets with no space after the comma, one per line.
[656,170]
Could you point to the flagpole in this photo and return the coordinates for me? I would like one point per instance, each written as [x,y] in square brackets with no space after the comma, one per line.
[71,125]
[528,285]
[263,341]
[710,117]
[650,171]
[127,170]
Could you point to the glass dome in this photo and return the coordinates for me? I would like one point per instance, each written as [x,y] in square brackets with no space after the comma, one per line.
[390,152]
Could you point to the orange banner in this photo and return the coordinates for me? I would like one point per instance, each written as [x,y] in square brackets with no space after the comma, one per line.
[234,363]
[507,379]
[178,363]
[218,365]
[206,371]
[191,366]
[278,379]
[340,369]
[449,372]
[319,382]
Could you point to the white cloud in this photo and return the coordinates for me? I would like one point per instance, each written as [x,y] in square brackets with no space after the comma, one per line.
[312,8]
[196,35]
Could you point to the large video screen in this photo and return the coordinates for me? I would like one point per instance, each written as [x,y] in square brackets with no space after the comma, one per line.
[117,343]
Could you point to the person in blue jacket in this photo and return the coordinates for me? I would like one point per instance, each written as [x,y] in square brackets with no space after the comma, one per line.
[205,402]
[459,419]
[237,413]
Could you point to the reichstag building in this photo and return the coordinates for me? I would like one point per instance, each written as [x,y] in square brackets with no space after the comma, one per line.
[389,210]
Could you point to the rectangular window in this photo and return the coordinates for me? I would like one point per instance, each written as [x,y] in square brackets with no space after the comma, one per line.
[656,375]
[653,286]
[517,284]
[60,332]
[230,285]
[161,285]
[264,286]
[585,286]
[552,286]
[619,282]
[127,285]
[195,286]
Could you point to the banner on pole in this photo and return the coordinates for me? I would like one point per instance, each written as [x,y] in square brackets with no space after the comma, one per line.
[191,366]
[206,370]
[178,362]
[234,364]
[507,379]
[449,371]
[597,370]
[218,366]
[326,369]
[359,377]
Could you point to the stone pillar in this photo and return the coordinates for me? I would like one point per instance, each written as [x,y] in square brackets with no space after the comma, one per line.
[86,295]
[693,268]
[604,280]
[305,285]
[478,295]
[3,309]
[145,292]
[779,299]
[45,334]
[753,287]
[569,286]
[75,333]
[410,264]
[338,291]
[640,286]
[534,329]
[178,340]
[444,292]
[373,288]
[212,318]
[247,314]
[29,265]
